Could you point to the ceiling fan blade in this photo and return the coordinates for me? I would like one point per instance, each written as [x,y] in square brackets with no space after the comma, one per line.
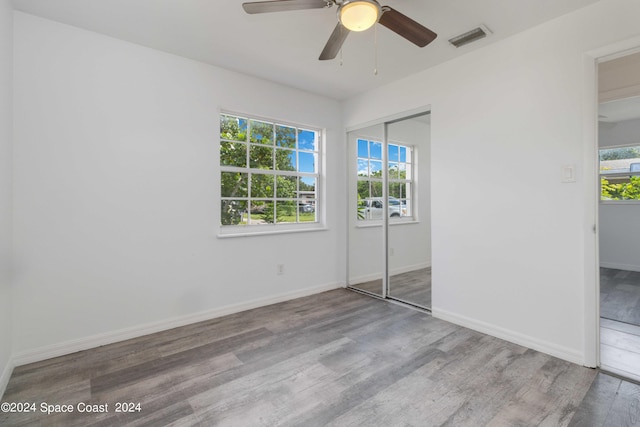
[282,5]
[406,27]
[334,44]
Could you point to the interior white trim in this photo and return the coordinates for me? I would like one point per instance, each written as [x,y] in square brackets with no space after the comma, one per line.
[592,192]
[561,352]
[97,340]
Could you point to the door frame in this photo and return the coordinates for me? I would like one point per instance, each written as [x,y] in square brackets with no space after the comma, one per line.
[592,193]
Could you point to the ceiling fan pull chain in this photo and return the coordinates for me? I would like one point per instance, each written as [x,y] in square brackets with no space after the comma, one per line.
[375,50]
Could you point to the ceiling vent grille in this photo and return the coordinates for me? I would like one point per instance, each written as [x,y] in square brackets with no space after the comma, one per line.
[470,36]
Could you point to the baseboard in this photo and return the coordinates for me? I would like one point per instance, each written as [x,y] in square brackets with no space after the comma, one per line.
[4,377]
[552,349]
[72,346]
[616,266]
[392,272]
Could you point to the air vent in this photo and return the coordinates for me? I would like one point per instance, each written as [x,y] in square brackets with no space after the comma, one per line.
[470,36]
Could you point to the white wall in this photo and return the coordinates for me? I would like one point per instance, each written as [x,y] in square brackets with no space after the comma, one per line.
[115,191]
[6,125]
[619,222]
[508,237]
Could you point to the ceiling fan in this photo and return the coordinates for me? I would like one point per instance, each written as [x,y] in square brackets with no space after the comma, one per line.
[353,15]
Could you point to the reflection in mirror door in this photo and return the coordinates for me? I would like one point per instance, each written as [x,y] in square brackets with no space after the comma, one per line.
[389,210]
[366,269]
[409,231]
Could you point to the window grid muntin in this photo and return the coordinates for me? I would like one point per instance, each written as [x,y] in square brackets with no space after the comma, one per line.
[250,200]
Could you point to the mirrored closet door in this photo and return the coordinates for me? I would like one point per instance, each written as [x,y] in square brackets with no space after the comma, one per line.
[389,210]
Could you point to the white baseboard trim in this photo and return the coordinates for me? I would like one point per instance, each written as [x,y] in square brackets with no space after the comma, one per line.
[552,349]
[72,346]
[615,265]
[377,276]
[4,377]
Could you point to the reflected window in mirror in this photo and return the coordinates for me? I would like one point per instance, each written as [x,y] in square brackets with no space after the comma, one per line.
[400,180]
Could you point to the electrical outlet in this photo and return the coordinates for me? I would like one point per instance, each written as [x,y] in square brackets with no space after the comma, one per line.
[280,269]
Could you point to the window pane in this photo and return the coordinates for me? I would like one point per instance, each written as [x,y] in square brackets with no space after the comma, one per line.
[262,185]
[363,190]
[307,211]
[286,187]
[233,184]
[376,189]
[397,190]
[285,160]
[376,169]
[363,167]
[307,162]
[403,154]
[261,157]
[233,212]
[261,132]
[286,211]
[620,188]
[262,212]
[393,153]
[307,186]
[402,171]
[375,150]
[234,128]
[285,136]
[307,140]
[233,154]
[393,170]
[363,148]
[617,165]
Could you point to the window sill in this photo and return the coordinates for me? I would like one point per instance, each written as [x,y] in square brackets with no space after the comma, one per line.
[266,230]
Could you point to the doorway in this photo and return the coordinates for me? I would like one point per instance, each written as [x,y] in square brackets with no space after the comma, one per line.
[389,236]
[619,214]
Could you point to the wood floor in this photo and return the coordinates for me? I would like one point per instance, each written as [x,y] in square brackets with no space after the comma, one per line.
[620,295]
[610,402]
[334,359]
[413,287]
[620,322]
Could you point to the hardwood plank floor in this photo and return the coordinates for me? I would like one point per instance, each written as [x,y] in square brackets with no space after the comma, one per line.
[337,358]
[610,402]
[413,287]
[620,295]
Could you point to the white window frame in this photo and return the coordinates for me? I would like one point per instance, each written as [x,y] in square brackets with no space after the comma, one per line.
[409,180]
[616,174]
[232,230]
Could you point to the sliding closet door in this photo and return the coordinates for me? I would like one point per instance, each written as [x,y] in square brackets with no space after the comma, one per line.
[409,231]
[366,266]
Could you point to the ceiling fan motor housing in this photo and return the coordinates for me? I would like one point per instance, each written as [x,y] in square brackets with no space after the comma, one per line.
[359,15]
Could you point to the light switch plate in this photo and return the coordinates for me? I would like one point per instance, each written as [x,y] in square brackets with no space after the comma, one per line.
[568,173]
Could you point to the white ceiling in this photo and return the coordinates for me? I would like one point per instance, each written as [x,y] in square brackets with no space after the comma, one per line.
[284,47]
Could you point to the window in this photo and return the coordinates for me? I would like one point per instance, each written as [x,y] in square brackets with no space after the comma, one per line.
[399,178]
[269,172]
[620,173]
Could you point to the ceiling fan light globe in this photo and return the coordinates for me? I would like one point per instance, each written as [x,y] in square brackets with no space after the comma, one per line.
[359,15]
